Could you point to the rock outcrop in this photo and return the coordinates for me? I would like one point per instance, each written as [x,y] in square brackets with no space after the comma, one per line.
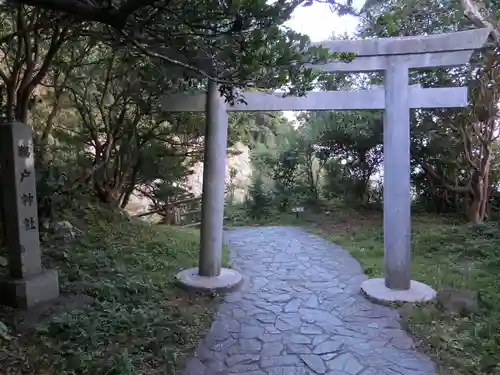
[238,178]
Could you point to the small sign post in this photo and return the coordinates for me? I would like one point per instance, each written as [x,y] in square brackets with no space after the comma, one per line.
[297,210]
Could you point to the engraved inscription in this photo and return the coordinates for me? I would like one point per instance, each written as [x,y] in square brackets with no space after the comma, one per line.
[25,174]
[27,199]
[24,151]
[29,223]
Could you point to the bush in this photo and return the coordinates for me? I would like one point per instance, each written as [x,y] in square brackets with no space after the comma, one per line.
[259,200]
[55,192]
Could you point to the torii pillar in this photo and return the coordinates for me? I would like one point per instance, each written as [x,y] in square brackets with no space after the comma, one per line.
[209,275]
[395,57]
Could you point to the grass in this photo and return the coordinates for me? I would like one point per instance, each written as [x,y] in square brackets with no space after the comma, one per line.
[445,254]
[139,322]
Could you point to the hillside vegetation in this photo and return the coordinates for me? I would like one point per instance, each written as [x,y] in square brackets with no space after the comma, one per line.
[120,311]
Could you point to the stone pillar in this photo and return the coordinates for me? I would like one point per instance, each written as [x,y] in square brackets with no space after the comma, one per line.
[397,188]
[28,284]
[214,172]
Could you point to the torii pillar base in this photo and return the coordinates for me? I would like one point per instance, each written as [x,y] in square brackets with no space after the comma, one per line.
[376,291]
[226,281]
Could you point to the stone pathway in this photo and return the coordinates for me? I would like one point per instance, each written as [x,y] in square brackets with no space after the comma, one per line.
[300,312]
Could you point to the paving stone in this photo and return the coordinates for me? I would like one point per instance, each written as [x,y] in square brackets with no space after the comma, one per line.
[271,337]
[239,313]
[272,349]
[297,338]
[370,371]
[250,332]
[404,358]
[329,356]
[293,305]
[291,320]
[288,370]
[349,341]
[318,339]
[314,362]
[298,348]
[312,302]
[285,326]
[269,307]
[271,329]
[244,368]
[320,316]
[362,349]
[346,362]
[224,345]
[328,347]
[266,318]
[280,298]
[233,297]
[232,325]
[280,361]
[249,346]
[310,329]
[239,359]
[217,335]
[345,331]
[252,310]
[300,313]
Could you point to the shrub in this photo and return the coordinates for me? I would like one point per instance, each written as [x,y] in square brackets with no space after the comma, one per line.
[259,200]
[55,191]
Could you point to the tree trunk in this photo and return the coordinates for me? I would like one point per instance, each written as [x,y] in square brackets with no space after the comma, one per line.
[474,211]
[479,200]
[310,176]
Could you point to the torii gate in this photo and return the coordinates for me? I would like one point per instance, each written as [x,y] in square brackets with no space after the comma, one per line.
[394,56]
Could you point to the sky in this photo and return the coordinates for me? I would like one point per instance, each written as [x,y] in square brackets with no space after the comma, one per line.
[320,23]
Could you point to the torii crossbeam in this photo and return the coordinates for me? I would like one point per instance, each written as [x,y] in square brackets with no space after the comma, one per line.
[394,56]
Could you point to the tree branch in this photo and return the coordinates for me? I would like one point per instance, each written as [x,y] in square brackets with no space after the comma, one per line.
[457,189]
[474,15]
[81,10]
[173,61]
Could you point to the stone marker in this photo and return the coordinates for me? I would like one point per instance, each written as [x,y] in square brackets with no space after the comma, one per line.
[28,283]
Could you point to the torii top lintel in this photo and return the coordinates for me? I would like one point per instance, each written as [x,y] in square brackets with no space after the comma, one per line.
[450,49]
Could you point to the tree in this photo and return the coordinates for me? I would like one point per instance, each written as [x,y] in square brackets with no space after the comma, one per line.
[254,128]
[352,141]
[30,40]
[459,174]
[201,40]
[117,97]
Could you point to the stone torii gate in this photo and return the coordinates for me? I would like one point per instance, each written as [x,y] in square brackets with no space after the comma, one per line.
[394,56]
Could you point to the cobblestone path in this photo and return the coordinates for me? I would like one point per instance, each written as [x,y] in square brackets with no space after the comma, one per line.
[300,312]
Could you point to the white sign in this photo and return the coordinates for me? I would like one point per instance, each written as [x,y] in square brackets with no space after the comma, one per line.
[298,209]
